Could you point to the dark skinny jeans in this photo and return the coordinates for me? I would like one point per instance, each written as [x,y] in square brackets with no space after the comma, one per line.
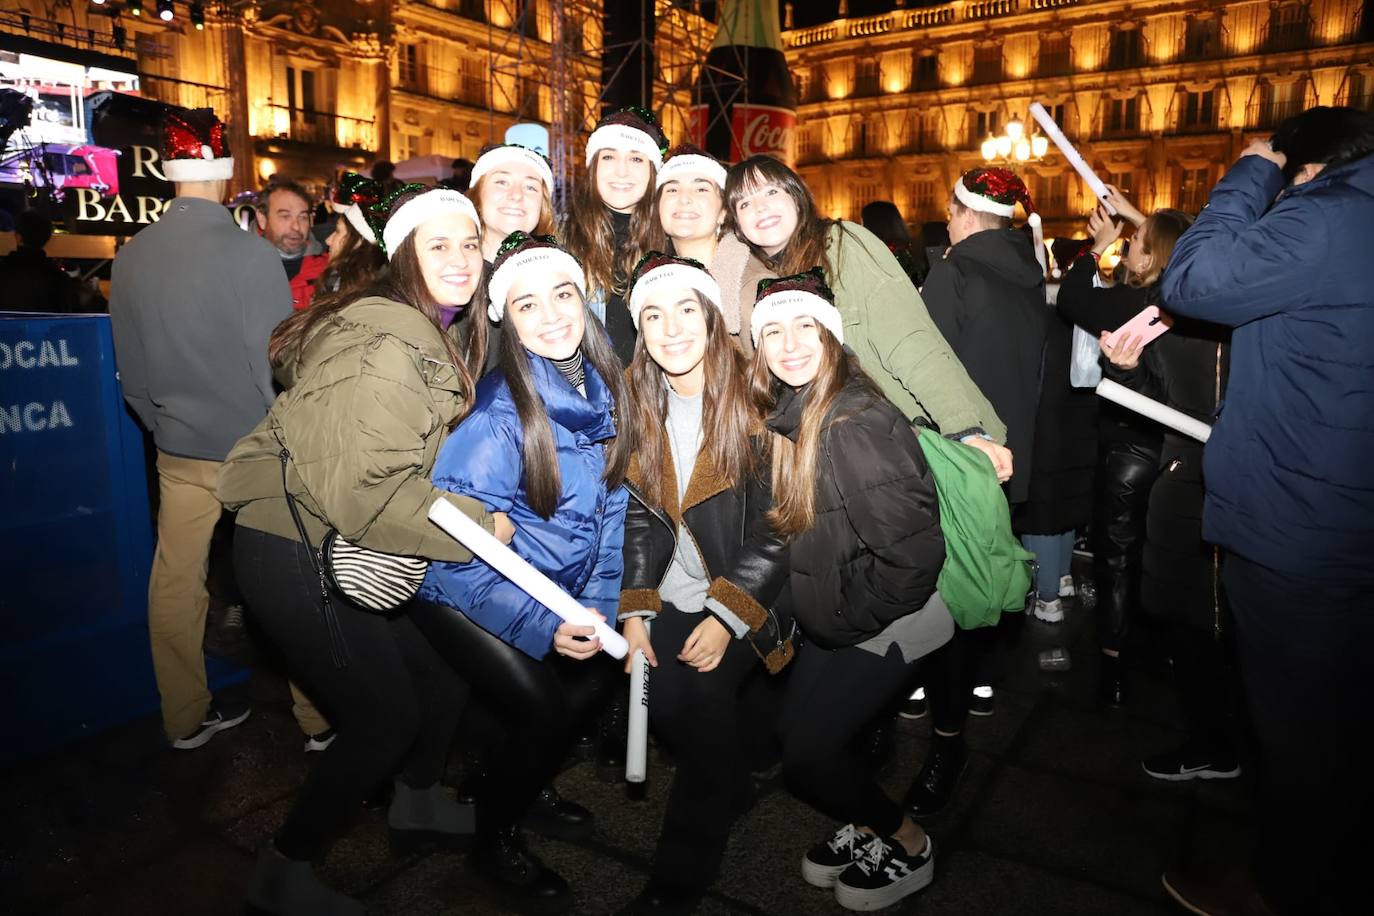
[831,696]
[394,706]
[539,703]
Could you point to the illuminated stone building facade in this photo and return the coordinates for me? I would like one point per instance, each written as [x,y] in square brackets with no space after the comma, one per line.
[1160,95]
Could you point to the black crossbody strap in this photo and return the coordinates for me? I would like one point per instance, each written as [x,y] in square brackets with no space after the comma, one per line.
[338,645]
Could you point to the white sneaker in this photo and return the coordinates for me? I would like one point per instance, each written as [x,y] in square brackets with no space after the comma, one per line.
[1049,611]
[1066,586]
[824,862]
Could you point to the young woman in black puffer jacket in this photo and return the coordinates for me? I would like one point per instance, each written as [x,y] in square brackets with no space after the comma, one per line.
[853,494]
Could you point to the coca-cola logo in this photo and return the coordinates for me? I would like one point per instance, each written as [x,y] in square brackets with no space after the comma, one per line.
[764,130]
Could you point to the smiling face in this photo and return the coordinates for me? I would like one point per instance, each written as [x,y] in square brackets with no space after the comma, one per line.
[622,178]
[450,256]
[690,208]
[672,324]
[510,199]
[547,314]
[793,349]
[767,216]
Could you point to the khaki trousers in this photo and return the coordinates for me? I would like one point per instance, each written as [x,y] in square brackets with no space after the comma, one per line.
[178,600]
[177,596]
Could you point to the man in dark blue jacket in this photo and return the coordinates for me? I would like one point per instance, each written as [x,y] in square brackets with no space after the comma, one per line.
[1284,254]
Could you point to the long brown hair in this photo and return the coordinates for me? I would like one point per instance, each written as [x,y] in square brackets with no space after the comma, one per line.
[589,235]
[466,346]
[547,220]
[1157,236]
[807,246]
[543,482]
[796,465]
[728,419]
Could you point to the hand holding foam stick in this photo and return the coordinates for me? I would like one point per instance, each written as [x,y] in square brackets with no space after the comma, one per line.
[530,580]
[1074,158]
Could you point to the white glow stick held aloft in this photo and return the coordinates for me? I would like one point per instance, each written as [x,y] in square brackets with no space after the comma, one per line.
[637,745]
[1074,158]
[1148,407]
[530,580]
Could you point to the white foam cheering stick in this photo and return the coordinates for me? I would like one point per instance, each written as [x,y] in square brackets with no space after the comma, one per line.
[637,746]
[1074,158]
[530,580]
[1148,407]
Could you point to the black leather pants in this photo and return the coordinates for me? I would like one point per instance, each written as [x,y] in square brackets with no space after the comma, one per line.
[1125,474]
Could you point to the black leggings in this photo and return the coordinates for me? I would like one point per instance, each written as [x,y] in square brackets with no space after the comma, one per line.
[1125,474]
[830,698]
[540,704]
[395,704]
[698,718]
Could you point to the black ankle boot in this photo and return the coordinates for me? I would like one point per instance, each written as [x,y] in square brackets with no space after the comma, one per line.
[502,859]
[1111,687]
[554,816]
[939,777]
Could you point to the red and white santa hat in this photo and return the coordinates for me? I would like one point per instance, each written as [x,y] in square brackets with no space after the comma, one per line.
[802,294]
[687,161]
[193,146]
[497,155]
[998,191]
[657,271]
[629,129]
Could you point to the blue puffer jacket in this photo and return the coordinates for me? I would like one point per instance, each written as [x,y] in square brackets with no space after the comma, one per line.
[1288,467]
[579,547]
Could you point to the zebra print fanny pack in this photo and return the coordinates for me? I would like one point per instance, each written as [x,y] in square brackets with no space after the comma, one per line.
[368,579]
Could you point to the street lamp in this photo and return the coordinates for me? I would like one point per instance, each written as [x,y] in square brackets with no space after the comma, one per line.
[1013,143]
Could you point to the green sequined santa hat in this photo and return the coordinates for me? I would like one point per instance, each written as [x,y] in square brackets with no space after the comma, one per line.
[410,205]
[629,129]
[786,298]
[656,271]
[686,160]
[520,252]
[357,197]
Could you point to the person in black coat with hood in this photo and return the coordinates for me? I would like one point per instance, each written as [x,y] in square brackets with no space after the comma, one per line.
[988,298]
[854,496]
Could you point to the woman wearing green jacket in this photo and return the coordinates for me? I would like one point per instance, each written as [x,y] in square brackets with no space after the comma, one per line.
[885,321]
[371,388]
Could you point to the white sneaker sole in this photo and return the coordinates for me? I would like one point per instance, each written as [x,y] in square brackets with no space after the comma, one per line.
[1049,616]
[1195,774]
[203,738]
[820,875]
[853,898]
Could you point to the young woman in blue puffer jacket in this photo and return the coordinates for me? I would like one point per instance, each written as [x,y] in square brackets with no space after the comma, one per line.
[540,444]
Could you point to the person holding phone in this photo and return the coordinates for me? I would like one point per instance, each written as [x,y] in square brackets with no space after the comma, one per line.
[1128,455]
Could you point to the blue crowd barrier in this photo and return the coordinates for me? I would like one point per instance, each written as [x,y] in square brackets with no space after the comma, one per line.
[76,539]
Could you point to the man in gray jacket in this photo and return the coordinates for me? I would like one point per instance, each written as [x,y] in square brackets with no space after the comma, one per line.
[193,300]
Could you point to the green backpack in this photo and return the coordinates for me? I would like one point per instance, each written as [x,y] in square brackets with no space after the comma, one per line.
[986,570]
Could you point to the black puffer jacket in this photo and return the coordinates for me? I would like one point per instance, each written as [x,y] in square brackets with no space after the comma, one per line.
[745,558]
[876,549]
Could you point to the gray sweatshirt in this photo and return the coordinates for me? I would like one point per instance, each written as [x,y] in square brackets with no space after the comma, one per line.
[193,299]
[684,585]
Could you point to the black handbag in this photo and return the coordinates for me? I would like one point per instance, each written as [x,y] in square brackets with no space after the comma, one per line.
[368,579]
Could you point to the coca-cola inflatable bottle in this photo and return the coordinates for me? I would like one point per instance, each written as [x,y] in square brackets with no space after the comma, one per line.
[745,102]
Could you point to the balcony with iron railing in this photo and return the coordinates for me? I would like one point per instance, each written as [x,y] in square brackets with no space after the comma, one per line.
[1271,113]
[1364,101]
[1206,117]
[475,10]
[462,88]
[1108,126]
[320,128]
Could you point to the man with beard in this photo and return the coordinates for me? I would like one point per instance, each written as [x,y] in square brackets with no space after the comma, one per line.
[284,221]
